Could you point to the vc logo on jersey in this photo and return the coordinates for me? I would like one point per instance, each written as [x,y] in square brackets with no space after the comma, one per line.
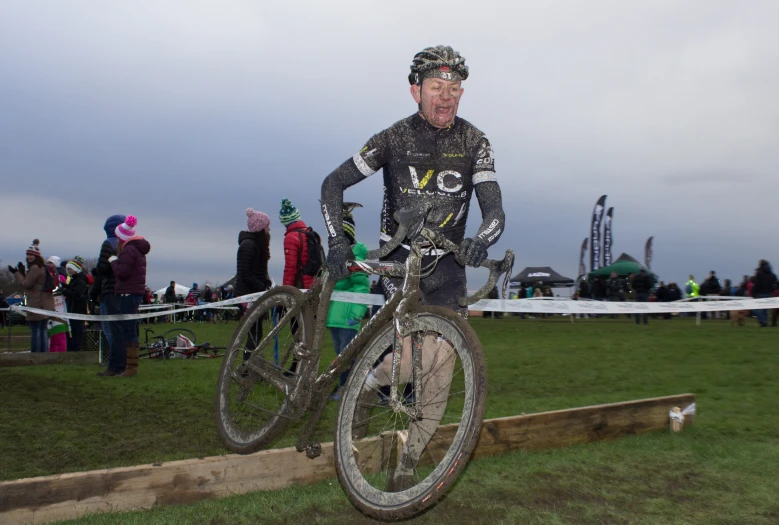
[448,181]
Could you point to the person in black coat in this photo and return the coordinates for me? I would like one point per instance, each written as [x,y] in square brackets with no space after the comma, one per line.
[642,284]
[76,294]
[109,301]
[764,286]
[252,266]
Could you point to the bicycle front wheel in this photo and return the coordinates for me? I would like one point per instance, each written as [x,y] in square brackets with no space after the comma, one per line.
[251,406]
[397,454]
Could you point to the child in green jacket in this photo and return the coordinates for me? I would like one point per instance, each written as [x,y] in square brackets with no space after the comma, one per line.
[343,319]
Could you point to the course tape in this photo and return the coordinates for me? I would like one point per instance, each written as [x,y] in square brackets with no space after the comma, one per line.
[539,305]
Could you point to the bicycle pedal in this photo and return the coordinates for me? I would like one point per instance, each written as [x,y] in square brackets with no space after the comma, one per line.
[313,450]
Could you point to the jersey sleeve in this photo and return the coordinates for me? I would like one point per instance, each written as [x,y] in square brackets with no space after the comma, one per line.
[373,155]
[483,163]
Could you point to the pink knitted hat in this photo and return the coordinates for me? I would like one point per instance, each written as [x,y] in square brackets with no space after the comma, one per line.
[126,230]
[257,221]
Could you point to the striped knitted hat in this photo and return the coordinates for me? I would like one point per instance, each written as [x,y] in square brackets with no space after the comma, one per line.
[288,213]
[35,249]
[126,230]
[74,265]
[348,225]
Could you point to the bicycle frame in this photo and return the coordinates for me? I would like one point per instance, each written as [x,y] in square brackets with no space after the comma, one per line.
[309,390]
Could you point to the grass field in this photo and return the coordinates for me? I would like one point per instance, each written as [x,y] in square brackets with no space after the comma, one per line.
[724,470]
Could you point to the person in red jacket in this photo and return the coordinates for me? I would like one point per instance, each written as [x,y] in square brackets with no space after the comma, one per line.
[295,249]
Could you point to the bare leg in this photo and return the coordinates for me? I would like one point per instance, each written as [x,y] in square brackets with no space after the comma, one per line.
[438,358]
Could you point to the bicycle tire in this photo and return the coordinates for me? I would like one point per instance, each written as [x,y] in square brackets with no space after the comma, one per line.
[248,409]
[356,459]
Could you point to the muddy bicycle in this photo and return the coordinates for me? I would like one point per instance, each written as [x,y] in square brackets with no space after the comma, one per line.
[414,401]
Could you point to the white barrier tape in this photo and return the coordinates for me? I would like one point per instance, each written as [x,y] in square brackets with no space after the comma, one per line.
[537,305]
[128,317]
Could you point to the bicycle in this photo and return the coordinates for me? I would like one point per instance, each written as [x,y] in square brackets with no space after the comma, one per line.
[396,454]
[177,343]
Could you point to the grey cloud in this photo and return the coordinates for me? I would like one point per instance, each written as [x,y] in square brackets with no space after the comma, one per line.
[187,113]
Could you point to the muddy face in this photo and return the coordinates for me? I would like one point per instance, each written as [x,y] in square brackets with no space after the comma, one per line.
[438,100]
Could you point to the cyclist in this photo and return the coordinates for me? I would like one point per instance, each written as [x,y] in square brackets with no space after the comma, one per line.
[431,156]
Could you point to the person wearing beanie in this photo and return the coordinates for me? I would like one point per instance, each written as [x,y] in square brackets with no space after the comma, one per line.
[251,271]
[129,266]
[57,328]
[76,293]
[295,247]
[343,319]
[33,280]
[109,300]
[257,221]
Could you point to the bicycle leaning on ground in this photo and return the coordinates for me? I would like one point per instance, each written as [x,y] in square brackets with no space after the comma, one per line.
[396,452]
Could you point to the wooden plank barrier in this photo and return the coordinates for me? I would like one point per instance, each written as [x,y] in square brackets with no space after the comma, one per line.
[47,358]
[68,496]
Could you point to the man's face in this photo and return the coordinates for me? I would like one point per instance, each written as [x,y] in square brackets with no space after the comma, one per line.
[438,100]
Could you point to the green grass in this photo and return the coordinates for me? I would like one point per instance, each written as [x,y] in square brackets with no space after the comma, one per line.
[19,341]
[723,470]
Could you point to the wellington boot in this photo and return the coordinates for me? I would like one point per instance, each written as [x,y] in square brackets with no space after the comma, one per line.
[133,349]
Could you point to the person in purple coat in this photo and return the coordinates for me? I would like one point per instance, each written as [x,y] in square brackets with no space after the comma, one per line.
[129,268]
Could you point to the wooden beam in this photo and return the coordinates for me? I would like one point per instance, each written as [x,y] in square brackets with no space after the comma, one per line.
[47,358]
[68,496]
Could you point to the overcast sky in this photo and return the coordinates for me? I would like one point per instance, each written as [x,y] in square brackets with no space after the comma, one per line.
[185,113]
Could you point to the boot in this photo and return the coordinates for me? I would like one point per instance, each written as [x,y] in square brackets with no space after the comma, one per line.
[108,373]
[131,369]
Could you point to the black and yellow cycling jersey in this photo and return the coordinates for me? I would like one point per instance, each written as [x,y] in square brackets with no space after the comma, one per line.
[423,162]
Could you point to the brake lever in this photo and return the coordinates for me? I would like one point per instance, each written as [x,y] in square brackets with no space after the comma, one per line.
[496,268]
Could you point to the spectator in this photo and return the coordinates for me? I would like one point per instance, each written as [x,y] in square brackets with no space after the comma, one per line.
[691,288]
[710,286]
[614,287]
[252,266]
[295,248]
[598,291]
[195,291]
[109,299]
[148,299]
[3,305]
[343,319]
[642,284]
[76,293]
[764,286]
[33,281]
[170,298]
[727,291]
[130,271]
[584,289]
[57,328]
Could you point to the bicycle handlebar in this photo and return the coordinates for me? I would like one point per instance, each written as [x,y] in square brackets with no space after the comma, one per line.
[410,224]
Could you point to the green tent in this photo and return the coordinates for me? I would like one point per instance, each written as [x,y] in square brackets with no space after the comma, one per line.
[623,268]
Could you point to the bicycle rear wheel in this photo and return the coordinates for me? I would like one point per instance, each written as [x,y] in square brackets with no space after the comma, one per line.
[250,405]
[413,449]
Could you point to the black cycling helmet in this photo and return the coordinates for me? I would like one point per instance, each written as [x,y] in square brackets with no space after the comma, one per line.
[440,62]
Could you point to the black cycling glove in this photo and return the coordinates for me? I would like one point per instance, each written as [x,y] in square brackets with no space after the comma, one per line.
[472,252]
[338,254]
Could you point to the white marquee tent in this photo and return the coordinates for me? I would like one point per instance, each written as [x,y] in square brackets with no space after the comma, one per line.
[180,290]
